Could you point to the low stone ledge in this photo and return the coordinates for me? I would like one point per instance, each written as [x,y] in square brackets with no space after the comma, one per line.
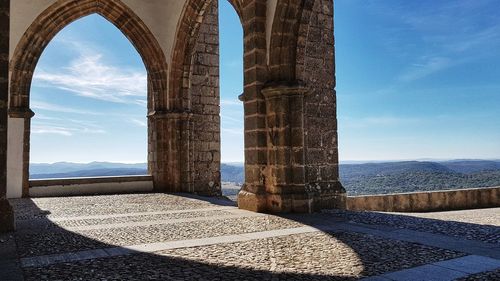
[90,186]
[89,180]
[444,200]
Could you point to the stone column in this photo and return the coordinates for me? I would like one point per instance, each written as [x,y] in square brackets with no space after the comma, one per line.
[18,152]
[6,212]
[285,173]
[252,196]
[171,168]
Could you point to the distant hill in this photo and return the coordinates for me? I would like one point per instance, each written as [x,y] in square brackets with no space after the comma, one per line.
[104,172]
[232,172]
[471,166]
[408,176]
[68,167]
[358,179]
[348,171]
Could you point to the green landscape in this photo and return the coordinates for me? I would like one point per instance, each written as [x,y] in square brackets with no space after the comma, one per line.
[410,176]
[357,178]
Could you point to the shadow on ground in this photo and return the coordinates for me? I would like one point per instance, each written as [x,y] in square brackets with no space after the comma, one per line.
[373,256]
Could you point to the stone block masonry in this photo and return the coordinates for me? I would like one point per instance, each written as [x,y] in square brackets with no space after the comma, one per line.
[431,201]
[205,106]
[6,212]
[290,126]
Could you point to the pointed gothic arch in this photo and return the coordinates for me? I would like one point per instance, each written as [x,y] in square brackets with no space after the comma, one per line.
[42,31]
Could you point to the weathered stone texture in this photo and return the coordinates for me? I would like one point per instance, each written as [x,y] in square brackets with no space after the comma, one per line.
[431,201]
[160,155]
[205,106]
[301,171]
[316,67]
[253,195]
[291,156]
[6,212]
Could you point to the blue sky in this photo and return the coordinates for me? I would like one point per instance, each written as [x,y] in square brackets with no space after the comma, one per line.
[415,79]
[418,79]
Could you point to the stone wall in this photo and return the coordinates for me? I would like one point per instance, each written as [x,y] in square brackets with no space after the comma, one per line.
[427,201]
[289,100]
[295,84]
[252,197]
[90,186]
[205,106]
[316,67]
[6,213]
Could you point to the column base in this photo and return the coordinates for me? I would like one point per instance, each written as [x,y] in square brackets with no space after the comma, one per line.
[252,201]
[291,203]
[7,220]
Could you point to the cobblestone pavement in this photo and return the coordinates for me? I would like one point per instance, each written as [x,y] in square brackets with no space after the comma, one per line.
[315,255]
[259,247]
[95,205]
[483,276]
[460,224]
[489,216]
[40,225]
[60,240]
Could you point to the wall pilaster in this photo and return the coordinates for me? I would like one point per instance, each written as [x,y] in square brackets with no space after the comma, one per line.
[6,213]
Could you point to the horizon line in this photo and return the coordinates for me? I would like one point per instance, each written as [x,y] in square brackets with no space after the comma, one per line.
[341,161]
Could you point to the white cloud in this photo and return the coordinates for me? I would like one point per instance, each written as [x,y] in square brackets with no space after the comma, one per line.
[231,102]
[65,127]
[138,122]
[450,33]
[141,102]
[44,117]
[47,129]
[40,105]
[89,76]
[377,121]
[238,132]
[233,120]
[427,67]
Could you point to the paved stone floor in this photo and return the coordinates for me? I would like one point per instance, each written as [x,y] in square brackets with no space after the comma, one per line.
[180,237]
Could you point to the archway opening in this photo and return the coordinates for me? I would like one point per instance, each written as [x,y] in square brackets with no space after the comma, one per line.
[231,87]
[89,96]
[417,89]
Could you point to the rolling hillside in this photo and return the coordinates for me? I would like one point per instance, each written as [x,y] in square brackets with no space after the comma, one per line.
[358,179]
[380,178]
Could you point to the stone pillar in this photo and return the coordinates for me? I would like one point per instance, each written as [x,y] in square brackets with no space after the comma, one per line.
[316,68]
[204,95]
[18,152]
[253,194]
[171,137]
[6,212]
[285,173]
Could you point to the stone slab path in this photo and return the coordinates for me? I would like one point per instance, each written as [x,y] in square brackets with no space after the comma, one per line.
[180,237]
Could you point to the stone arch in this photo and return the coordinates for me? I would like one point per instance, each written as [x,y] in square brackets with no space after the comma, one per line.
[302,35]
[252,15]
[185,40]
[48,24]
[61,14]
[238,7]
[186,34]
[289,26]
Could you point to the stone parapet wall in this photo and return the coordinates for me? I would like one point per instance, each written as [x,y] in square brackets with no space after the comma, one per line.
[90,186]
[427,201]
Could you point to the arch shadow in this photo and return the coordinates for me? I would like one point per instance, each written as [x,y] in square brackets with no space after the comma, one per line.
[151,266]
